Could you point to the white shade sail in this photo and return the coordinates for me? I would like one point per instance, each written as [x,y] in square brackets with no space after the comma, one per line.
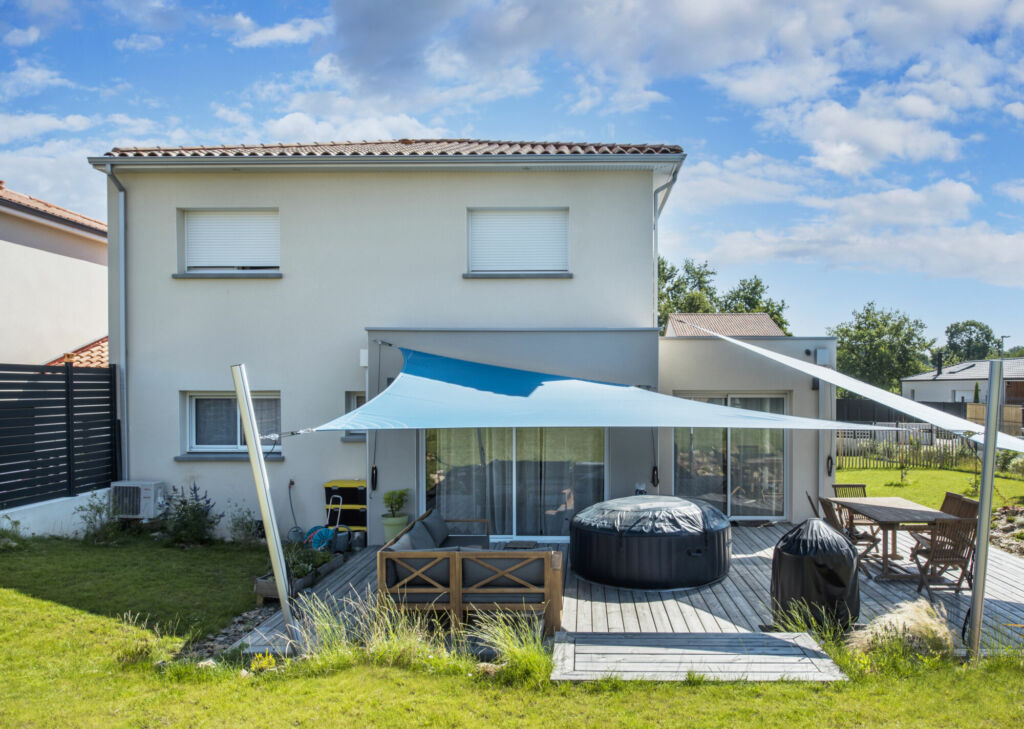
[916,410]
[441,392]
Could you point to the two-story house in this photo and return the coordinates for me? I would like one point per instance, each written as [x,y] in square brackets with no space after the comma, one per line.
[306,261]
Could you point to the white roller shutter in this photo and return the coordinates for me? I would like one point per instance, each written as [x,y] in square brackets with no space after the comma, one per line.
[219,239]
[518,240]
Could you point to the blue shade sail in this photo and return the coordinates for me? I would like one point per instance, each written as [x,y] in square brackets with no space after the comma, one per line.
[441,392]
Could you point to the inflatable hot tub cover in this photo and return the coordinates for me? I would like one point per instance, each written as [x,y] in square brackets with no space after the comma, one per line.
[651,542]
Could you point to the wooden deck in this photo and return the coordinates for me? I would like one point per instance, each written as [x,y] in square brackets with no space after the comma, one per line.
[737,605]
[680,656]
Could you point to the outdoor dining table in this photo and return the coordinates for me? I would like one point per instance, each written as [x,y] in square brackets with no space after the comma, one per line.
[892,514]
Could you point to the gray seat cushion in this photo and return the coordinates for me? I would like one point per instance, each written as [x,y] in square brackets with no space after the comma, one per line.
[402,544]
[437,527]
[420,537]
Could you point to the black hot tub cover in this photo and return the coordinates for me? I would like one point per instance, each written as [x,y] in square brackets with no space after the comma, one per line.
[653,515]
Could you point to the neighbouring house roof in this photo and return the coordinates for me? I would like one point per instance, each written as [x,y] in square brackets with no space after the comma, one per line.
[23,203]
[731,325]
[93,354]
[1013,369]
[403,148]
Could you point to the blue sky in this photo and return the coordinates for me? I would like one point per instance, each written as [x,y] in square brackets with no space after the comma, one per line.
[843,151]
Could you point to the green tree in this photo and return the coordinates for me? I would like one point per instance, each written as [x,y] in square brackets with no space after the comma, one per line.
[970,339]
[690,290]
[1013,352]
[880,346]
[750,296]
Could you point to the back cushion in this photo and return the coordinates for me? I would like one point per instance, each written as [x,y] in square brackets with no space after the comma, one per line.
[420,537]
[435,524]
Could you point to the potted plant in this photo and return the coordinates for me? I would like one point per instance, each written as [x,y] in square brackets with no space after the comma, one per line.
[394,522]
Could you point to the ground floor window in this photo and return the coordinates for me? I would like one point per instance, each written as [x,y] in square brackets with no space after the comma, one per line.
[524,481]
[741,471]
[214,422]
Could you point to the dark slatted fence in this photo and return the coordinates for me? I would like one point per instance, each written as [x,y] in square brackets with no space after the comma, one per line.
[59,433]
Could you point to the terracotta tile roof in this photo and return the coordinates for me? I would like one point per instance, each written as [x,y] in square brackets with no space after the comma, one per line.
[28,204]
[399,148]
[93,354]
[731,325]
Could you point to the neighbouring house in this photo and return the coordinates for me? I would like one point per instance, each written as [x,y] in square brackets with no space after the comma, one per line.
[53,279]
[956,383]
[305,261]
[93,354]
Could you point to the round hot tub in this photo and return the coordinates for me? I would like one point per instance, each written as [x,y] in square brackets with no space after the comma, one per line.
[650,543]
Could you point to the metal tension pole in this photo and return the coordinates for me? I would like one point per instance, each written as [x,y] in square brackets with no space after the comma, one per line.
[259,475]
[988,469]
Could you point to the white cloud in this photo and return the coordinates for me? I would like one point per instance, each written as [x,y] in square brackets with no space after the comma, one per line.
[1013,189]
[139,42]
[743,179]
[767,83]
[942,203]
[22,36]
[855,141]
[29,78]
[248,34]
[150,14]
[26,126]
[926,230]
[298,126]
[1015,109]
[51,9]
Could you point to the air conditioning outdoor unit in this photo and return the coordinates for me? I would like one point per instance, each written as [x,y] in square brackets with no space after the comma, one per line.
[137,499]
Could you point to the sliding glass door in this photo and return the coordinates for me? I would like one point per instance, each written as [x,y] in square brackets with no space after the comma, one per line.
[527,482]
[741,471]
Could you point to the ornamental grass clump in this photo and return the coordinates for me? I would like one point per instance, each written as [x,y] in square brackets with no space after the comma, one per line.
[913,636]
[518,643]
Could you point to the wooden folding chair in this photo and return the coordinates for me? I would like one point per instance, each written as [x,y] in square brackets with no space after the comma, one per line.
[950,546]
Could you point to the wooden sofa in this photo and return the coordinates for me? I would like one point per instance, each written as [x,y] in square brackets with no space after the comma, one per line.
[429,569]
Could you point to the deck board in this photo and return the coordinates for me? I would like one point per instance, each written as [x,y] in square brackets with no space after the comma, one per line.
[739,605]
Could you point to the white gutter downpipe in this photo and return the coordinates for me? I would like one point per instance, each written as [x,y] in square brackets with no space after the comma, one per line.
[656,209]
[122,316]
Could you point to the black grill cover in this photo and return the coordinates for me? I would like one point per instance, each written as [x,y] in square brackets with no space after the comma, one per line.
[813,562]
[650,542]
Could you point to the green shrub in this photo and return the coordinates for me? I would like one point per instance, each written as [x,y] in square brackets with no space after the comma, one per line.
[10,534]
[99,524]
[244,526]
[300,560]
[395,501]
[189,518]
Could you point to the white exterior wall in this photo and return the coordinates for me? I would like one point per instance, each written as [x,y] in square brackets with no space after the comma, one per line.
[707,365]
[53,287]
[944,390]
[357,249]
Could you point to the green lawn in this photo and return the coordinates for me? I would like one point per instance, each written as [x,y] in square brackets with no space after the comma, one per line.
[929,486]
[58,642]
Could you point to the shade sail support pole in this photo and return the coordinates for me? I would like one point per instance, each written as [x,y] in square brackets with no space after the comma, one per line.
[988,468]
[259,474]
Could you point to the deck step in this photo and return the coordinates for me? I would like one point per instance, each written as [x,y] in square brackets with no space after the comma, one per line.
[681,656]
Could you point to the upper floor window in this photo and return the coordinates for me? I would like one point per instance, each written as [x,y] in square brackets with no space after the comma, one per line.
[519,240]
[231,240]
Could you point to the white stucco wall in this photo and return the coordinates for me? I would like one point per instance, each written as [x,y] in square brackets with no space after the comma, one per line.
[704,365]
[944,390]
[357,249]
[56,517]
[53,289]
